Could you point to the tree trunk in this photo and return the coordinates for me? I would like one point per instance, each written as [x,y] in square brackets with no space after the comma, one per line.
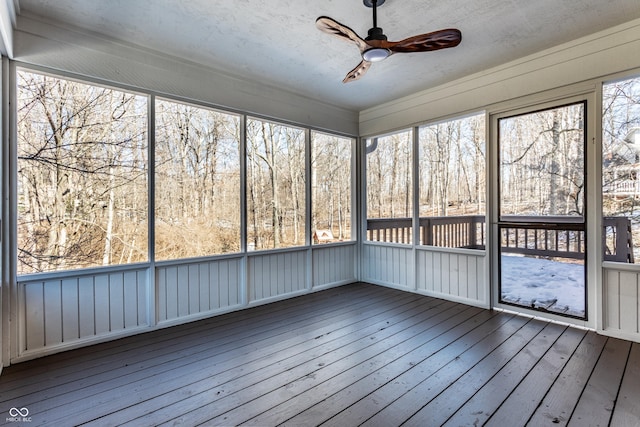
[106,254]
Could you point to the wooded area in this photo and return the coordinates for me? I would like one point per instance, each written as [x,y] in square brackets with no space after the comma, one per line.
[276,180]
[542,157]
[82,175]
[389,180]
[197,202]
[621,155]
[451,171]
[451,178]
[452,167]
[331,184]
[83,179]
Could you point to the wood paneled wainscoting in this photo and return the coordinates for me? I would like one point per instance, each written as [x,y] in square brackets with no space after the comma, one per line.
[59,311]
[352,355]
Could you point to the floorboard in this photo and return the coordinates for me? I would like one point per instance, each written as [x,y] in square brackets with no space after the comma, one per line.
[443,368]
[349,356]
[528,395]
[352,399]
[599,396]
[627,410]
[456,395]
[562,397]
[250,401]
[390,361]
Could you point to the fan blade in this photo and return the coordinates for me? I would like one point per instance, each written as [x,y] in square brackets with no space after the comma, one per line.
[357,72]
[333,27]
[436,40]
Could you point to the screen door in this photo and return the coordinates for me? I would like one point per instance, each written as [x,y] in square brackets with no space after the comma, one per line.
[542,224]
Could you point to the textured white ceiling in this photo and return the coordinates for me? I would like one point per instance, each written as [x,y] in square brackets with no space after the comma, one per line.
[276,41]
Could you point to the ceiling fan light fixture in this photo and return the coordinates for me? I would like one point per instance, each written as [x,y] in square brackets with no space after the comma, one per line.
[375,54]
[376,47]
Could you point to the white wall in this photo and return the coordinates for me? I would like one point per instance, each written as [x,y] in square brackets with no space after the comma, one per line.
[4,210]
[453,274]
[60,310]
[389,265]
[600,54]
[621,301]
[40,43]
[7,20]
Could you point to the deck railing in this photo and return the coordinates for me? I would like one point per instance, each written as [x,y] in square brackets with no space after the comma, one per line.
[626,187]
[466,231]
[551,236]
[556,237]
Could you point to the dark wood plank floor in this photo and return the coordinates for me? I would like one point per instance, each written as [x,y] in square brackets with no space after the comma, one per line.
[354,355]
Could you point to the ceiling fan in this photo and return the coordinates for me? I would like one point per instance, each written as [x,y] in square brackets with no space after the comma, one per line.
[375,47]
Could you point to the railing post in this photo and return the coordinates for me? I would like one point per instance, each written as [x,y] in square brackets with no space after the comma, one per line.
[624,244]
[473,231]
[428,233]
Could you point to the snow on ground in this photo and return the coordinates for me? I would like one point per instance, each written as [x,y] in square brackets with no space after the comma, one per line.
[541,283]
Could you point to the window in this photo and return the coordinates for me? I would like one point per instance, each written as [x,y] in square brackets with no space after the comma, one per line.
[389,188]
[197,186]
[83,179]
[620,166]
[276,191]
[452,183]
[82,175]
[330,188]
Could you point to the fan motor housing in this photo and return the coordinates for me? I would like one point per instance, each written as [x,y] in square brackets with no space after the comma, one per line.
[376,33]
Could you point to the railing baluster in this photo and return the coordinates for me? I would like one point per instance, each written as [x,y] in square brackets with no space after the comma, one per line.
[546,240]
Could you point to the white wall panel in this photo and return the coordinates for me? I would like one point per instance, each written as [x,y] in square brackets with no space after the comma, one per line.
[621,303]
[334,264]
[60,311]
[188,290]
[33,316]
[272,275]
[67,309]
[53,311]
[116,302]
[388,265]
[453,275]
[40,43]
[70,318]
[101,309]
[86,304]
[7,17]
[599,54]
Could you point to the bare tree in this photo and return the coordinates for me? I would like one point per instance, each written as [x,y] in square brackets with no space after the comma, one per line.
[331,184]
[389,186]
[79,152]
[542,162]
[452,167]
[197,171]
[276,177]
